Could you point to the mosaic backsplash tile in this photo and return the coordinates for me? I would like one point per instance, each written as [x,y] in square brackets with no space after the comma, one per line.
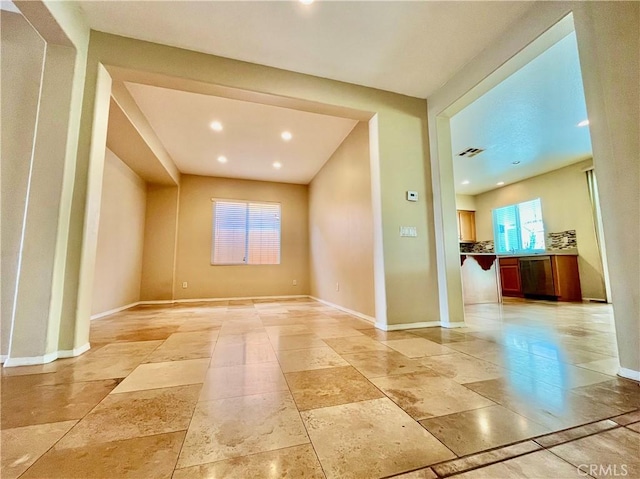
[562,240]
[479,247]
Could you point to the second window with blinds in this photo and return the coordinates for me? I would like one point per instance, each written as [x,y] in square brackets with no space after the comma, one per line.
[245,232]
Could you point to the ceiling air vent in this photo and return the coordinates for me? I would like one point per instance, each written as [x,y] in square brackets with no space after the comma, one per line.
[470,152]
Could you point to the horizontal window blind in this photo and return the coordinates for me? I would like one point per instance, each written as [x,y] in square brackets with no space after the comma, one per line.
[519,227]
[245,233]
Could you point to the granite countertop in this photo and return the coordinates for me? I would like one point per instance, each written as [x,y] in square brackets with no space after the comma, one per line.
[560,252]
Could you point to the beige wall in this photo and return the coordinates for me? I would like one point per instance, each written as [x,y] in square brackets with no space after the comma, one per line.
[159,243]
[608,44]
[566,205]
[466,202]
[341,226]
[193,259]
[22,52]
[120,237]
[409,267]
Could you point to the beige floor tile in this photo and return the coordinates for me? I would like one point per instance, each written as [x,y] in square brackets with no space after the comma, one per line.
[426,473]
[628,418]
[538,465]
[480,429]
[164,375]
[228,428]
[288,330]
[179,347]
[418,347]
[242,380]
[292,462]
[330,387]
[355,344]
[251,337]
[634,427]
[22,446]
[296,341]
[380,335]
[543,403]
[485,458]
[142,457]
[237,354]
[575,433]
[619,393]
[553,372]
[425,395]
[609,366]
[441,335]
[615,448]
[55,403]
[329,331]
[307,359]
[370,439]
[463,368]
[384,363]
[135,414]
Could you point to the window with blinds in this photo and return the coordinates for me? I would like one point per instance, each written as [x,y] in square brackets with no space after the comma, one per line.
[519,228]
[245,233]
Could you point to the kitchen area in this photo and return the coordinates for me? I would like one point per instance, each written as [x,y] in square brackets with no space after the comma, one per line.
[526,194]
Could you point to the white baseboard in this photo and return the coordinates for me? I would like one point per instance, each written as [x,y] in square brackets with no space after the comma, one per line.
[47,358]
[458,324]
[72,353]
[346,310]
[400,327]
[243,298]
[196,300]
[629,374]
[114,311]
[3,358]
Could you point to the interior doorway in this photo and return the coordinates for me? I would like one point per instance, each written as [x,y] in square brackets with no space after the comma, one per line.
[560,36]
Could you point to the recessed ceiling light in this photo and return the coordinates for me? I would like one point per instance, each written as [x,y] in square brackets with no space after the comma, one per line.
[277,165]
[306,2]
[286,136]
[222,159]
[584,123]
[515,162]
[500,183]
[465,182]
[216,126]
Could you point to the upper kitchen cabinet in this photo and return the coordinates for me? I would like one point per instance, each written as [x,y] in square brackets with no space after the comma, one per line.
[466,226]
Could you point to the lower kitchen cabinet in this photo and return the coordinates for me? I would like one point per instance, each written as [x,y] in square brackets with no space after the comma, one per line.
[566,278]
[543,277]
[510,277]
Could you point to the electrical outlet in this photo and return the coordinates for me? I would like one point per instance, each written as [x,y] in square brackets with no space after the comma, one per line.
[337,286]
[295,282]
[184,285]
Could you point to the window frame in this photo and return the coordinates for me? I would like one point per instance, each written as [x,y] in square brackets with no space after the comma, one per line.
[518,227]
[246,257]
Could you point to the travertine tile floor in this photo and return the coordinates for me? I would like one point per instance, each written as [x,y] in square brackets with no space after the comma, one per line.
[296,389]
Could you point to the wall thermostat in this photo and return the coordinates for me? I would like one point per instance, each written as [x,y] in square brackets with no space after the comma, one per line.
[412,196]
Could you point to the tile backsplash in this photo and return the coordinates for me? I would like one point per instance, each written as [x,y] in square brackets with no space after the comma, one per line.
[562,240]
[479,247]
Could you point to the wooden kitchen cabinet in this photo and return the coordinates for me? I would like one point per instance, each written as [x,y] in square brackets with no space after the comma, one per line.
[466,226]
[510,277]
[566,278]
[553,277]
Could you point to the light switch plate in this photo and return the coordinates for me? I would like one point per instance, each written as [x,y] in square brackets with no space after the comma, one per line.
[408,231]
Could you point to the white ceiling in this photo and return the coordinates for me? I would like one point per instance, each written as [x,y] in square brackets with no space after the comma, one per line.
[530,117]
[251,136]
[405,47]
